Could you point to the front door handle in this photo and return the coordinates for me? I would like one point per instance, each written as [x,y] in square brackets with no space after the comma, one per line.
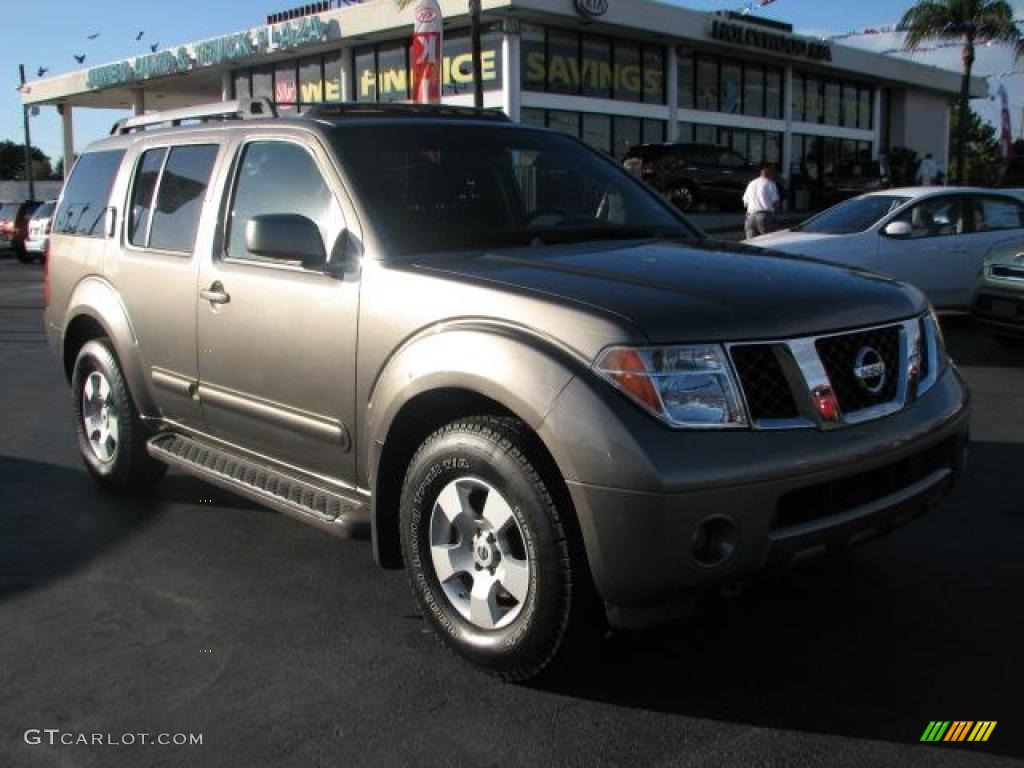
[215,294]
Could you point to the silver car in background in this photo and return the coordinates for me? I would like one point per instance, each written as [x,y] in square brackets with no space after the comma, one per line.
[935,238]
[39,226]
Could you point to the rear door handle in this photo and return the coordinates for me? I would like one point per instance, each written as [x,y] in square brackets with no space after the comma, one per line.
[215,294]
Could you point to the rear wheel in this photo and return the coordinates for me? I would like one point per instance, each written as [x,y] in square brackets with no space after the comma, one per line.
[22,255]
[486,548]
[111,436]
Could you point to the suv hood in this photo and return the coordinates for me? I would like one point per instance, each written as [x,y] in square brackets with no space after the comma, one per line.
[692,292]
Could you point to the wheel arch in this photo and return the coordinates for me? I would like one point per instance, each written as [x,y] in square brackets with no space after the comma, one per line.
[443,377]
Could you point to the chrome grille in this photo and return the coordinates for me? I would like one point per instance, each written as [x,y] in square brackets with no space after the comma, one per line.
[839,355]
[764,383]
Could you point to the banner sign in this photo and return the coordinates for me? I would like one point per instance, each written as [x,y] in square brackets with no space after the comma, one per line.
[426,53]
[773,42]
[232,48]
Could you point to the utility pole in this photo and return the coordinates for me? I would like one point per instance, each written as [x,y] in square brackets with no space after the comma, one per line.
[29,173]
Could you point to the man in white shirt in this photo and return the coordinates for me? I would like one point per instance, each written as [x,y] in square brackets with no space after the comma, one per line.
[761,201]
[927,171]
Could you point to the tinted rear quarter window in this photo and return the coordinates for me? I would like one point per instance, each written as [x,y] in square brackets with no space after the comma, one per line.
[87,194]
[180,199]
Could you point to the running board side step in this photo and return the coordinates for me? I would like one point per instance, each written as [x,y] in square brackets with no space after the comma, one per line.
[331,511]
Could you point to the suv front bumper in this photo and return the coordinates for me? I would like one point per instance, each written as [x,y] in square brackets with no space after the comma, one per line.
[643,493]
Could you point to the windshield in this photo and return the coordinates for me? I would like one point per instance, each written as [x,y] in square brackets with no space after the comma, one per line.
[442,187]
[853,215]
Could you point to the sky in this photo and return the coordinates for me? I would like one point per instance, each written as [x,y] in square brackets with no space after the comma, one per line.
[49,36]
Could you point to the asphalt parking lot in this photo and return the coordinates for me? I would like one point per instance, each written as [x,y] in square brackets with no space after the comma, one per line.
[195,612]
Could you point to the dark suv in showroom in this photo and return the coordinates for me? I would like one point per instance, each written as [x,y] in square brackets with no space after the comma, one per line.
[690,175]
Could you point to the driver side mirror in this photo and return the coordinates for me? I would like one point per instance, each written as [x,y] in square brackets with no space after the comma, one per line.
[898,229]
[286,237]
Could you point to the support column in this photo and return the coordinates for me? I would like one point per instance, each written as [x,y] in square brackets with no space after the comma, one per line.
[69,137]
[348,66]
[227,86]
[876,106]
[787,137]
[512,88]
[672,84]
[139,102]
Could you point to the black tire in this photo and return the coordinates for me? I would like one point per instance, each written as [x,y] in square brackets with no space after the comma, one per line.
[500,452]
[684,197]
[130,467]
[22,255]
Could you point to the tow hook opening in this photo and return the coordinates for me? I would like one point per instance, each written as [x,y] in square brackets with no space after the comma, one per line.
[714,540]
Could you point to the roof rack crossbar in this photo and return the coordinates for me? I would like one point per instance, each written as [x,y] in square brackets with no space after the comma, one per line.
[334,110]
[240,109]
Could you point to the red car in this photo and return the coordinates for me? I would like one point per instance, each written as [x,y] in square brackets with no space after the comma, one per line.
[14,225]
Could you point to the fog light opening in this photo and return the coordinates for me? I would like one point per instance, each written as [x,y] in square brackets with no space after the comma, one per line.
[714,540]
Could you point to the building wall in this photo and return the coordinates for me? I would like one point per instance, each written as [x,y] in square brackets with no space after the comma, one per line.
[920,121]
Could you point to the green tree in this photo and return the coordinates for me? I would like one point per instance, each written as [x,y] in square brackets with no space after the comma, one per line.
[474,30]
[12,162]
[971,22]
[982,158]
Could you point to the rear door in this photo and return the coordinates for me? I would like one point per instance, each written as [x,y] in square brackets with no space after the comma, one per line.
[277,341]
[156,270]
[931,256]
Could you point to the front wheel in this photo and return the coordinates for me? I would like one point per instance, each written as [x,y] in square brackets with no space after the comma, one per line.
[111,436]
[486,547]
[684,197]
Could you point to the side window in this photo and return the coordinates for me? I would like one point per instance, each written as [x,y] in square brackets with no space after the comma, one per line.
[995,213]
[143,188]
[936,217]
[87,195]
[181,196]
[280,177]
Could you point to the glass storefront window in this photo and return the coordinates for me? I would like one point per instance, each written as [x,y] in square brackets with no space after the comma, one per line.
[685,133]
[773,93]
[332,77]
[532,116]
[799,98]
[286,91]
[865,101]
[731,88]
[849,105]
[393,72]
[534,74]
[654,131]
[597,131]
[685,78]
[813,105]
[563,57]
[311,80]
[654,74]
[596,69]
[755,147]
[263,83]
[242,85]
[564,122]
[705,134]
[773,148]
[365,74]
[628,71]
[833,103]
[707,84]
[628,134]
[753,90]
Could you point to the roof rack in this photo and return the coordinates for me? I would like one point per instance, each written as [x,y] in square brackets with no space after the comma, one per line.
[241,109]
[334,111]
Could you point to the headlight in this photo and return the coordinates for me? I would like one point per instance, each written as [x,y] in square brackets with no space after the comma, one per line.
[935,358]
[691,386]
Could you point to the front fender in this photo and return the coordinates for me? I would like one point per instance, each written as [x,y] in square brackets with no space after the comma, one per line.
[96,298]
[523,373]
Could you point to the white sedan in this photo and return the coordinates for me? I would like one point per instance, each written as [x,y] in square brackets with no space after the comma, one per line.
[933,237]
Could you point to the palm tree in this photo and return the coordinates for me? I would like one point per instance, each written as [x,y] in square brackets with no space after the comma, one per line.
[970,21]
[474,27]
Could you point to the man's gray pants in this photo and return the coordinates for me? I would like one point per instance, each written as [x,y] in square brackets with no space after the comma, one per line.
[760,223]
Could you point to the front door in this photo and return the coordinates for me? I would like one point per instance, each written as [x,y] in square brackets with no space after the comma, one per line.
[929,257]
[276,340]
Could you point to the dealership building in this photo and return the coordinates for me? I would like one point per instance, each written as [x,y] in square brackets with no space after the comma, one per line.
[615,73]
